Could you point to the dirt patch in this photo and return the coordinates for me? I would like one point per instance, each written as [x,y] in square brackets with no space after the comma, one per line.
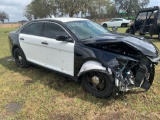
[110,116]
[13,107]
[28,82]
[61,117]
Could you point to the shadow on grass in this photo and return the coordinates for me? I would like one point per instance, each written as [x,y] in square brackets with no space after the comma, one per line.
[60,83]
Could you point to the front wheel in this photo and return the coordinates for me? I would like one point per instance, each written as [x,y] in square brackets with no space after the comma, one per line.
[152,73]
[20,58]
[98,84]
[105,25]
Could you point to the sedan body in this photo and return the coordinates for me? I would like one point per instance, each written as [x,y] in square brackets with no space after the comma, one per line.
[116,22]
[86,52]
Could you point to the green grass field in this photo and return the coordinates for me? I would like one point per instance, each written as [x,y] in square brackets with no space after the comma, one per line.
[38,94]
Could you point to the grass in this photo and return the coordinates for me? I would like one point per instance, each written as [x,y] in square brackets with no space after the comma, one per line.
[10,25]
[38,94]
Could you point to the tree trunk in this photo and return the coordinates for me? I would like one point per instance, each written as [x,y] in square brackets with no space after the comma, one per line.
[71,14]
[50,15]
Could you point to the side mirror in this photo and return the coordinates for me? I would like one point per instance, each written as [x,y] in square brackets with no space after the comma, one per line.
[114,29]
[64,38]
[61,38]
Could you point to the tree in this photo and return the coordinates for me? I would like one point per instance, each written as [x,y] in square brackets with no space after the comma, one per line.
[39,9]
[143,3]
[130,6]
[112,11]
[28,12]
[47,8]
[4,16]
[98,8]
[71,7]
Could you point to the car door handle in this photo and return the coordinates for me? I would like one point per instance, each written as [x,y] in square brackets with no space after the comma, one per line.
[45,43]
[21,38]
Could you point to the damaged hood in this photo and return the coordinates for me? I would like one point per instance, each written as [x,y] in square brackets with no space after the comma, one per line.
[140,43]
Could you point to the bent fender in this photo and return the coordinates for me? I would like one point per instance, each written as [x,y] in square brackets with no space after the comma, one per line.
[91,65]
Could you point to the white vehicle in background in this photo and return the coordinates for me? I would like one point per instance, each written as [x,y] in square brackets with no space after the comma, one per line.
[116,22]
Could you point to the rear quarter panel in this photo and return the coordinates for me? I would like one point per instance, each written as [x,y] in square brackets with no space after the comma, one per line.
[13,40]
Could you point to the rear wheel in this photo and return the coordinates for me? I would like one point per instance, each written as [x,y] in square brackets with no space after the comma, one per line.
[20,58]
[159,36]
[126,24]
[131,31]
[127,31]
[123,25]
[105,25]
[98,84]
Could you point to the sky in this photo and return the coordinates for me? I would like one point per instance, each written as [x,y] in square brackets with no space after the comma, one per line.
[15,8]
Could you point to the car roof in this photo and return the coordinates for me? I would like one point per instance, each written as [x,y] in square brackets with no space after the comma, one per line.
[117,18]
[149,9]
[66,19]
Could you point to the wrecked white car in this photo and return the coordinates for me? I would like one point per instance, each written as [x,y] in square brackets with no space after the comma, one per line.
[86,52]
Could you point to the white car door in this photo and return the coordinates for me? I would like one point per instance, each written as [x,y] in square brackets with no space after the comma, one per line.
[31,41]
[57,55]
[111,23]
[119,22]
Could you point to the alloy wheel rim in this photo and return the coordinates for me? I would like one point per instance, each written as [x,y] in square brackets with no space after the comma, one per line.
[96,81]
[19,58]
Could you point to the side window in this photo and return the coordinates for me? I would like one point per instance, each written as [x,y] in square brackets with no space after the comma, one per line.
[33,29]
[142,16]
[119,20]
[52,30]
[25,30]
[113,20]
[154,14]
[149,14]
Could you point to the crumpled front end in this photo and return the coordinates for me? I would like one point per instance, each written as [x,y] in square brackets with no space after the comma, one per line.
[132,60]
[130,74]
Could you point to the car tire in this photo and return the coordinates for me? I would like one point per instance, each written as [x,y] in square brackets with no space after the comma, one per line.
[131,31]
[98,84]
[150,79]
[105,25]
[123,25]
[127,31]
[152,74]
[141,34]
[20,58]
[159,36]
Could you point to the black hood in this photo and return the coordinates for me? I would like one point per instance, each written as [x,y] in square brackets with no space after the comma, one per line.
[139,43]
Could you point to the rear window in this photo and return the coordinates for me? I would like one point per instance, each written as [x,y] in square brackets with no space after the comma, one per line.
[33,29]
[119,20]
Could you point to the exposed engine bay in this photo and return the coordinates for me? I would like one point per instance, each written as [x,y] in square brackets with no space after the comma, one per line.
[137,72]
[133,74]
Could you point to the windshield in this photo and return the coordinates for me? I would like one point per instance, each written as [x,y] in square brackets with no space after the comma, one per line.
[142,16]
[86,29]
